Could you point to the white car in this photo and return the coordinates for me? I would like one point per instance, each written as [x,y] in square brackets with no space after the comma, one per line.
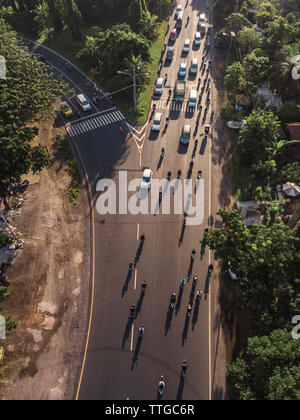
[159,86]
[186,134]
[178,9]
[194,66]
[157,122]
[83,102]
[186,46]
[237,125]
[146,179]
[197,40]
[202,18]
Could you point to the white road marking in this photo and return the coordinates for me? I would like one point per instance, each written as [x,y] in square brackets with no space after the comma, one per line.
[131,340]
[138,232]
[135,276]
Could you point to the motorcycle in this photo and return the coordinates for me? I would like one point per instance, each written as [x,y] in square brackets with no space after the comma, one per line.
[198,296]
[195,279]
[141,332]
[172,301]
[162,153]
[199,174]
[210,268]
[184,369]
[132,311]
[161,385]
[193,254]
[189,311]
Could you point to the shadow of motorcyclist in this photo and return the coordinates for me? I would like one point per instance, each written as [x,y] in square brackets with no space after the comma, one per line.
[136,352]
[185,330]
[180,388]
[127,331]
[195,313]
[168,320]
[178,303]
[125,286]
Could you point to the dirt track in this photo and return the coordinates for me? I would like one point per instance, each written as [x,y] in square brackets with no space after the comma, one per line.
[50,281]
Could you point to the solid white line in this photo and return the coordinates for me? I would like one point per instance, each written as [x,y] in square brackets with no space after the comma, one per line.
[135,276]
[138,232]
[131,341]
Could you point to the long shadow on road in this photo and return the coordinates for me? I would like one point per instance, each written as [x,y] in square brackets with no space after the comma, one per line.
[125,286]
[180,389]
[136,353]
[179,300]
[127,332]
[185,330]
[168,320]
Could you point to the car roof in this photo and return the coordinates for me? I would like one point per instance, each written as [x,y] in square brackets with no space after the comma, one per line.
[197,34]
[194,60]
[160,80]
[157,116]
[81,97]
[173,31]
[183,65]
[187,128]
[187,41]
[170,48]
[147,172]
[202,15]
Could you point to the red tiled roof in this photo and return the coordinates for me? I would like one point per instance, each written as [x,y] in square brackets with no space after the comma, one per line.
[294,129]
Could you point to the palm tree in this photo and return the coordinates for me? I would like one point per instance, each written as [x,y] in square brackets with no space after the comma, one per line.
[281,75]
[139,65]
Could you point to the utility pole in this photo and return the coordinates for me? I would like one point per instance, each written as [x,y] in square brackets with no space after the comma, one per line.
[134,76]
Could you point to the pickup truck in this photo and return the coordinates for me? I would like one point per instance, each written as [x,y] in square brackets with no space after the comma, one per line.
[180,90]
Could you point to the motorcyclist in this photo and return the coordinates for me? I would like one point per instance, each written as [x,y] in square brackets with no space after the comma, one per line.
[189,310]
[170,92]
[184,367]
[199,174]
[161,384]
[195,279]
[142,238]
[193,253]
[144,285]
[132,310]
[162,153]
[178,173]
[198,295]
[169,175]
[131,265]
[210,268]
[141,330]
[182,282]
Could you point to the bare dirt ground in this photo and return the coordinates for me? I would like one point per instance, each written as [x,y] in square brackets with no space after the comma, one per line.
[50,282]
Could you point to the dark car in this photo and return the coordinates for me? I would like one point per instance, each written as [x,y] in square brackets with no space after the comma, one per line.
[170,53]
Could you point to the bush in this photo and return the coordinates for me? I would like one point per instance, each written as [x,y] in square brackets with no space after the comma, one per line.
[289,112]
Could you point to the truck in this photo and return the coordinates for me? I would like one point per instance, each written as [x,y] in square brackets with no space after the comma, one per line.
[179,90]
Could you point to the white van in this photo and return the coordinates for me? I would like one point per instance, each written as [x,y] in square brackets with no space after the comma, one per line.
[159,86]
[202,18]
[193,98]
[197,40]
[157,122]
[194,66]
[186,45]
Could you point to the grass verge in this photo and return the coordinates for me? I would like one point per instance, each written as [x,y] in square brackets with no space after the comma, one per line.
[64,148]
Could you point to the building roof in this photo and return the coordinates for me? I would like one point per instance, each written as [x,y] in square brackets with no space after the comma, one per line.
[294,130]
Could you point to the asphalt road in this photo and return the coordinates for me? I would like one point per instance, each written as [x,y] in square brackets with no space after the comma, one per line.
[116,364]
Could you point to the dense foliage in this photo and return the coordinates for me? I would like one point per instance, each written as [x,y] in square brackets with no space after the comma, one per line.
[26,96]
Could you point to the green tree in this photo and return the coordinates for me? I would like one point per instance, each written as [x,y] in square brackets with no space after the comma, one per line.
[73,19]
[259,137]
[113,47]
[236,22]
[265,258]
[270,371]
[280,75]
[234,80]
[26,97]
[248,40]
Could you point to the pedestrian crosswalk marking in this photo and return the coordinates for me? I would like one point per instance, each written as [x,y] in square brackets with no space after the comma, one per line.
[173,106]
[80,127]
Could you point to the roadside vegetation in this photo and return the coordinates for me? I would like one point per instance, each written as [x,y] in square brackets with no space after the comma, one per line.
[26,97]
[63,146]
[101,41]
[260,260]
